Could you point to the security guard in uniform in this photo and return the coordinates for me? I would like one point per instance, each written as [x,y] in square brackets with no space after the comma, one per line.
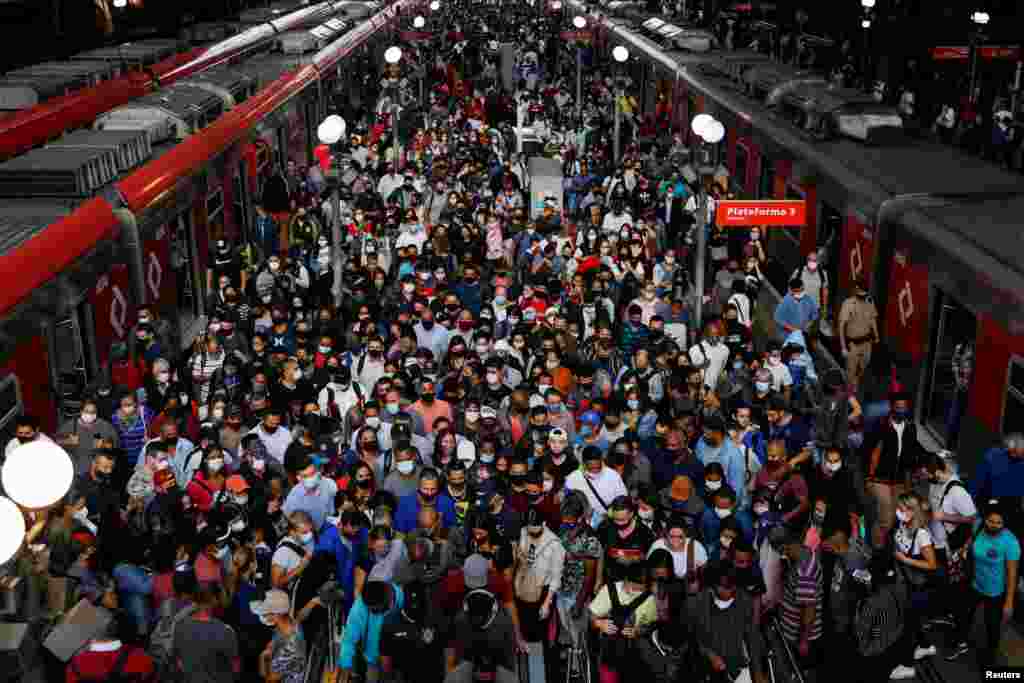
[858,332]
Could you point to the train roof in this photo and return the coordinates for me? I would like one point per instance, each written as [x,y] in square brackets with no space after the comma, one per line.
[22,219]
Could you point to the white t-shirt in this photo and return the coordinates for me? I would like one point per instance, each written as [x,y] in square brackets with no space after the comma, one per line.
[957,502]
[608,484]
[908,544]
[286,558]
[700,556]
[781,376]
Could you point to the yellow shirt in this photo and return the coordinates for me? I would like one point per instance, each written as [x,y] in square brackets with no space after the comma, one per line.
[644,615]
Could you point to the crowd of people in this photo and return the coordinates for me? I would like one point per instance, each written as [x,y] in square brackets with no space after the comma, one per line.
[509,445]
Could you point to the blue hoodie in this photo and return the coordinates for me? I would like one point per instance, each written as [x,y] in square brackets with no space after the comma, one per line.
[330,541]
[365,628]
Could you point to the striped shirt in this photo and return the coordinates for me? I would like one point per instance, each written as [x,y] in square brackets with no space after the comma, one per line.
[803,587]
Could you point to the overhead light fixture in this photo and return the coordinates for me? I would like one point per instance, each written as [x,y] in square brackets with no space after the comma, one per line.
[393,55]
[434,6]
[700,121]
[419,22]
[12,528]
[866,23]
[620,53]
[21,474]
[331,129]
[868,4]
[579,22]
[714,132]
[980,18]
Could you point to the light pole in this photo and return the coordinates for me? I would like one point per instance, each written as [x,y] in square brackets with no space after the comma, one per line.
[393,55]
[418,23]
[979,19]
[330,132]
[865,23]
[580,23]
[620,54]
[711,132]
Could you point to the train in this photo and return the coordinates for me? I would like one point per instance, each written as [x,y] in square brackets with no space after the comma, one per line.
[934,233]
[121,210]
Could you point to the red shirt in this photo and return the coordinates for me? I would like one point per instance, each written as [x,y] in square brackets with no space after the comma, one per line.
[97,666]
[201,492]
[453,590]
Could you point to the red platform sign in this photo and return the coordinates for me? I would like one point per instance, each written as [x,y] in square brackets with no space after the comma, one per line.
[962,52]
[779,213]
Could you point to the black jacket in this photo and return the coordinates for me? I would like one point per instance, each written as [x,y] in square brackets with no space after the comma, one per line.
[885,460]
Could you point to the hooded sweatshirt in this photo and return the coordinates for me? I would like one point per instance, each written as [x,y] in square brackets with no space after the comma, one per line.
[364,628]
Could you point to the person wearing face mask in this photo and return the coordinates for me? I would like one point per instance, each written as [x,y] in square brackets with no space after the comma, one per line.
[537,572]
[727,635]
[403,480]
[622,612]
[710,355]
[429,407]
[715,447]
[858,332]
[796,312]
[428,494]
[205,487]
[894,454]
[284,657]
[625,540]
[832,481]
[789,491]
[314,495]
[723,510]
[79,435]
[599,484]
[294,552]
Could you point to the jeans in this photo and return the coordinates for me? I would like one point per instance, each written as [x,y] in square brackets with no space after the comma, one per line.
[993,617]
[919,600]
[135,590]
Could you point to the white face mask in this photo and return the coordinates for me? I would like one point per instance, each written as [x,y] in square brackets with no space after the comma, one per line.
[215,465]
[646,515]
[722,514]
[903,516]
[472,415]
[833,466]
[713,485]
[88,418]
[373,421]
[406,467]
[724,604]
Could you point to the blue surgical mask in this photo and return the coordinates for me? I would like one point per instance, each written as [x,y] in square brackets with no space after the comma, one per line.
[633,404]
[900,415]
[762,387]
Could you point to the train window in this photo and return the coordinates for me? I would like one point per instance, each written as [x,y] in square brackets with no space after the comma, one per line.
[214,204]
[739,171]
[1013,412]
[72,358]
[10,399]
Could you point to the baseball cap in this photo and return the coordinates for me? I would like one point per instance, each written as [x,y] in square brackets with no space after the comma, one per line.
[236,483]
[475,570]
[274,602]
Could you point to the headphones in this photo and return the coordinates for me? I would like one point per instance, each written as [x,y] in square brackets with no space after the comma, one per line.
[494,605]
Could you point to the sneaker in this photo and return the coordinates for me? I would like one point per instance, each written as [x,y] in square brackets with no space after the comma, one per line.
[902,672]
[941,622]
[922,652]
[957,652]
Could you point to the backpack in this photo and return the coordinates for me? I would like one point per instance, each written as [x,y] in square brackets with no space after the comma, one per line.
[799,273]
[262,578]
[161,640]
[116,674]
[962,533]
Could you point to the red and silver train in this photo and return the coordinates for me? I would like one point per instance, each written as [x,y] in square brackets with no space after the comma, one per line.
[936,234]
[123,210]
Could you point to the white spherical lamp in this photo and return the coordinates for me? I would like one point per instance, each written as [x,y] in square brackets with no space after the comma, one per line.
[419,22]
[393,55]
[579,22]
[331,130]
[700,121]
[866,23]
[12,529]
[120,4]
[620,54]
[37,474]
[434,6]
[714,132]
[867,3]
[556,5]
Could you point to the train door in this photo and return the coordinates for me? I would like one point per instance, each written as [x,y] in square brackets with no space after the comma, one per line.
[829,249]
[950,352]
[240,204]
[740,169]
[183,263]
[73,358]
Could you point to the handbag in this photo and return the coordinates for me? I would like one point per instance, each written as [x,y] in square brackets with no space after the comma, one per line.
[960,566]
